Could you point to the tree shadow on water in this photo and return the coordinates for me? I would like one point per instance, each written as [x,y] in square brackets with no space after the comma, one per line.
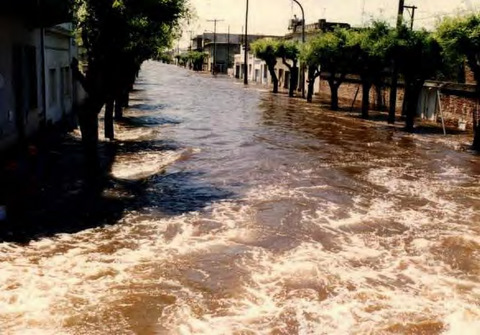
[147,121]
[147,107]
[56,194]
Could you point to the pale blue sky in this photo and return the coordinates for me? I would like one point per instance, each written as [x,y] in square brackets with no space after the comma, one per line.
[271,16]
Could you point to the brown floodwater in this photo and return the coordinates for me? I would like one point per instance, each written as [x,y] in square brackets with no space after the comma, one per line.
[259,214]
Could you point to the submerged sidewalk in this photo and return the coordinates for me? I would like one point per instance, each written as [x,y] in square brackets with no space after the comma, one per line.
[45,188]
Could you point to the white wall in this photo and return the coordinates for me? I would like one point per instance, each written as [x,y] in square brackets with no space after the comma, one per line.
[13,33]
[58,76]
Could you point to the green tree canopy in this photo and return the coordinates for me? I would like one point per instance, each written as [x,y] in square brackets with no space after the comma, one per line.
[370,50]
[289,51]
[460,39]
[267,50]
[118,35]
[331,54]
[418,57]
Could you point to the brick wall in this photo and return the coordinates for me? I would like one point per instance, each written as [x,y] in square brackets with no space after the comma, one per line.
[469,77]
[456,108]
[347,90]
[457,100]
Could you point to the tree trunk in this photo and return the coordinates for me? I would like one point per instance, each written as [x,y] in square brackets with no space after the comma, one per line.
[126,99]
[393,96]
[476,137]
[414,89]
[334,94]
[118,109]
[366,87]
[293,81]
[271,69]
[311,83]
[109,129]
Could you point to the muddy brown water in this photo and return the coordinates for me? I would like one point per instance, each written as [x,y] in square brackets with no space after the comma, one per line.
[260,215]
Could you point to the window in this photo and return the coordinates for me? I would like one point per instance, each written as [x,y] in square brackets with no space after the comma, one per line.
[250,69]
[265,68]
[52,86]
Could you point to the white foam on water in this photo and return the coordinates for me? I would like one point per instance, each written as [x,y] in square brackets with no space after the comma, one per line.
[382,266]
[142,165]
[396,282]
[53,281]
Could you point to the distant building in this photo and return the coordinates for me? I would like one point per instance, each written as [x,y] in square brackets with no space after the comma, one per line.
[36,85]
[223,46]
[257,69]
[312,29]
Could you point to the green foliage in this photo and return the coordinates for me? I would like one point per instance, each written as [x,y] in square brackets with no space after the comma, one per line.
[139,28]
[266,50]
[371,49]
[329,50]
[460,39]
[288,50]
[164,57]
[196,56]
[417,54]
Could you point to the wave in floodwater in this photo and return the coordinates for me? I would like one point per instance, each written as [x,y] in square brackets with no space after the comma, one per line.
[317,239]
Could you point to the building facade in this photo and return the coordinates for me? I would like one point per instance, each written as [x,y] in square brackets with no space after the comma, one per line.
[221,49]
[257,69]
[36,85]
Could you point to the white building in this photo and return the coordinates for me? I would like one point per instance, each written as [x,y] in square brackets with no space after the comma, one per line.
[59,51]
[258,72]
[35,78]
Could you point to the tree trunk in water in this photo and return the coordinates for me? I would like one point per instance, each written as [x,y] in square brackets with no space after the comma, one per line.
[273,75]
[414,90]
[275,85]
[126,99]
[311,87]
[334,95]
[393,96]
[311,83]
[119,103]
[366,87]
[293,81]
[109,129]
[476,138]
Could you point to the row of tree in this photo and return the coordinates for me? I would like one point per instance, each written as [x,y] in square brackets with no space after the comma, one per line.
[377,53]
[193,59]
[117,37]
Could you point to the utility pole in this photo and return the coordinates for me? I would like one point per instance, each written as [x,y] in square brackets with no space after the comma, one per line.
[412,14]
[394,83]
[401,8]
[245,60]
[214,65]
[228,48]
[302,68]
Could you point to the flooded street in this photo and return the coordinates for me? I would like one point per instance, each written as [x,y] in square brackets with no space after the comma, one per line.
[251,213]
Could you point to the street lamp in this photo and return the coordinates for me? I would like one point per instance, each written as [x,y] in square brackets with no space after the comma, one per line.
[302,69]
[245,60]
